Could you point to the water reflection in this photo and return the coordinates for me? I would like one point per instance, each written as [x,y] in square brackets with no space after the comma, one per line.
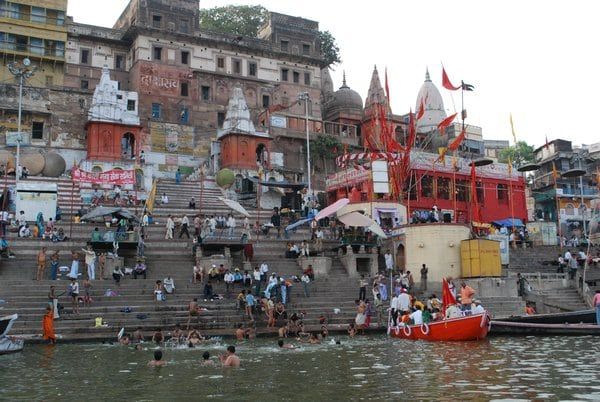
[362,368]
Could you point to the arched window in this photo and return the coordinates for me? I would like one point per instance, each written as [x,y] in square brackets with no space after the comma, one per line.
[128,146]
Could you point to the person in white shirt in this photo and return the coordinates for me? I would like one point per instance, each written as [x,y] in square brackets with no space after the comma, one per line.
[21,220]
[304,250]
[212,224]
[229,278]
[90,261]
[164,199]
[403,301]
[169,226]
[478,308]
[185,223]
[394,306]
[389,260]
[257,278]
[25,231]
[230,225]
[417,317]
[319,237]
[264,270]
[169,285]
[306,284]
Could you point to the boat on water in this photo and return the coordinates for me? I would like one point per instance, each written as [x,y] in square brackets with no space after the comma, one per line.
[9,344]
[468,328]
[542,329]
[571,317]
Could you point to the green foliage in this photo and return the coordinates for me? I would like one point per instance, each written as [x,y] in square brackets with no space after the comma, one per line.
[324,146]
[238,20]
[329,49]
[520,154]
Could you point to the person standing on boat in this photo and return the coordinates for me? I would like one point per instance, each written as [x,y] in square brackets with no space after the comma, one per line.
[596,304]
[48,326]
[466,297]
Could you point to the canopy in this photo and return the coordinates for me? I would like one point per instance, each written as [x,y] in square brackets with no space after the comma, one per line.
[234,205]
[356,219]
[332,209]
[297,223]
[509,222]
[375,228]
[281,184]
[100,212]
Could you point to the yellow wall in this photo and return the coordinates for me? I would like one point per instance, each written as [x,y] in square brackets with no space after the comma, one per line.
[480,258]
[437,245]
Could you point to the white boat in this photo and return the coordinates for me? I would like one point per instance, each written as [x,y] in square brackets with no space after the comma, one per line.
[9,344]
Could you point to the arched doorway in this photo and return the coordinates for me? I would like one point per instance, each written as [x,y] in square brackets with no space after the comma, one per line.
[400,258]
[128,146]
[261,154]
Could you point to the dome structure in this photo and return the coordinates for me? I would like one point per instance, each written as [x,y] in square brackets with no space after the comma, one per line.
[55,165]
[345,98]
[434,106]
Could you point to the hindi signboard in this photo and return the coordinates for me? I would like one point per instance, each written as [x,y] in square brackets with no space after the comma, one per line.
[115,176]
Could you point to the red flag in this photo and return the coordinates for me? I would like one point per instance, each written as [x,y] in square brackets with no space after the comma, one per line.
[387,88]
[421,111]
[445,123]
[446,81]
[447,296]
[412,132]
[547,143]
[457,141]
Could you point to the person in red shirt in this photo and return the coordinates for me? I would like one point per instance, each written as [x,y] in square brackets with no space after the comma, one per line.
[466,296]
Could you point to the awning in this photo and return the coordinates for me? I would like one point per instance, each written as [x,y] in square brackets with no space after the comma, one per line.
[509,222]
[356,219]
[297,223]
[100,212]
[280,184]
[332,209]
[234,205]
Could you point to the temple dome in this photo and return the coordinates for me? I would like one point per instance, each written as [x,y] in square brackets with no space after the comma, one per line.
[345,98]
[434,106]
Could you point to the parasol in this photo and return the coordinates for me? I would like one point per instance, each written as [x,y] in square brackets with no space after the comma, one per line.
[234,205]
[333,208]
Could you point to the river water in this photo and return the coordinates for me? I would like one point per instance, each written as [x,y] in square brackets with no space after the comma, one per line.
[364,368]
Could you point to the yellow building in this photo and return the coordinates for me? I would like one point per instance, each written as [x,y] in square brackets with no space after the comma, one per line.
[35,29]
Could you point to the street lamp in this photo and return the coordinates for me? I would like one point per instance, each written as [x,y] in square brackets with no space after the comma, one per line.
[22,71]
[305,97]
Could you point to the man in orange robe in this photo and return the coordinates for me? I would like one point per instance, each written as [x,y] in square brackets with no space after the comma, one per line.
[48,326]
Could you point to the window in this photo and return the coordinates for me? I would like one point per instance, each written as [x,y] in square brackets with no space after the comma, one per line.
[220,119]
[184,115]
[480,193]
[36,46]
[38,14]
[84,84]
[237,66]
[306,78]
[49,81]
[305,49]
[119,62]
[85,56]
[443,188]
[284,74]
[185,57]
[427,186]
[37,130]
[156,21]
[266,100]
[205,92]
[252,69]
[220,62]
[184,89]
[184,26]
[285,45]
[296,76]
[462,190]
[156,110]
[157,53]
[502,192]
[130,105]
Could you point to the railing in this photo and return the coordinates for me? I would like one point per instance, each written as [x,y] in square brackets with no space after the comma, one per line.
[33,49]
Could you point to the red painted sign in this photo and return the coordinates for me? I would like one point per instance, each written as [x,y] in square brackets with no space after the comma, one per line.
[115,176]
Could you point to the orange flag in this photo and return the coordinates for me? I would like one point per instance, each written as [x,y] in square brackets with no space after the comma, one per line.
[457,141]
[445,123]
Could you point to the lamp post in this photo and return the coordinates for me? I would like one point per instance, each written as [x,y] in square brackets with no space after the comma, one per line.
[304,97]
[22,71]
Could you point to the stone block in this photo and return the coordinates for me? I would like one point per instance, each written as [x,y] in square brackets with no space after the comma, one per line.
[321,265]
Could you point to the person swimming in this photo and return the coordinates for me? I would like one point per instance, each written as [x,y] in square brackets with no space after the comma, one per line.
[285,345]
[158,361]
[230,359]
[206,361]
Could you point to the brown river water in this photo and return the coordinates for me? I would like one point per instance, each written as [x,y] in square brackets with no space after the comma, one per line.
[363,368]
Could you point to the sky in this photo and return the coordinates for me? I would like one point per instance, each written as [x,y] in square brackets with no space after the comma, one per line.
[536,59]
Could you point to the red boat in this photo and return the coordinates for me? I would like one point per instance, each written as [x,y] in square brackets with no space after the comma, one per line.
[468,328]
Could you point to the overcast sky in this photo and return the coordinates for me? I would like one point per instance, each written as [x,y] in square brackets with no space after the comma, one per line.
[536,59]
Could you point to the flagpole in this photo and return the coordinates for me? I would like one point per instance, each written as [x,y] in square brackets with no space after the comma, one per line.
[557,201]
[510,195]
[454,186]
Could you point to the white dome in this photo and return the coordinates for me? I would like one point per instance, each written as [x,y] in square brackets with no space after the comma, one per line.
[434,106]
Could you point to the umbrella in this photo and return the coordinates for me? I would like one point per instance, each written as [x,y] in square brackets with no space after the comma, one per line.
[297,223]
[333,208]
[375,228]
[100,212]
[234,205]
[356,219]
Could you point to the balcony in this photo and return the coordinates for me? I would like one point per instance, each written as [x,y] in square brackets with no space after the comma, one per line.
[37,15]
[14,44]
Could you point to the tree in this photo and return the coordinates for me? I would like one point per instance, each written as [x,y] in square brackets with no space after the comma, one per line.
[329,49]
[237,20]
[324,147]
[246,20]
[520,154]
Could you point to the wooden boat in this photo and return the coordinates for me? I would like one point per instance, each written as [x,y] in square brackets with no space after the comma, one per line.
[9,344]
[526,328]
[467,328]
[571,317]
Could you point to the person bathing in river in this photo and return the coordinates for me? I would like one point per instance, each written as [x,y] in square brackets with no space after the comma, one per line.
[230,359]
[158,361]
[283,345]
